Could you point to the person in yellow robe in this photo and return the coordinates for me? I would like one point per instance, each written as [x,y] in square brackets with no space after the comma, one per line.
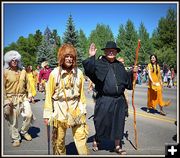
[154,94]
[32,83]
[65,104]
[15,100]
[36,72]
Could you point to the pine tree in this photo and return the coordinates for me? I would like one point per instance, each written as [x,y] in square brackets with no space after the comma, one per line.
[164,39]
[83,42]
[46,51]
[23,49]
[121,37]
[146,48]
[129,42]
[71,36]
[100,36]
[38,37]
[167,31]
[57,39]
[12,46]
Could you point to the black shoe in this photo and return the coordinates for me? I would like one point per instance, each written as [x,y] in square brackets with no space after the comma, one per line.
[148,111]
[162,113]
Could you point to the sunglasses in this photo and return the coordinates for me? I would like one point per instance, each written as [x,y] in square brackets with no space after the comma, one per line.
[14,60]
[111,51]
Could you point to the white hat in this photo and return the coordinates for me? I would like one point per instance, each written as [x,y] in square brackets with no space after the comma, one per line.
[10,55]
[45,63]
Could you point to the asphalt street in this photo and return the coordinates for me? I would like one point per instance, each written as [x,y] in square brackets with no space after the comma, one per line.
[154,131]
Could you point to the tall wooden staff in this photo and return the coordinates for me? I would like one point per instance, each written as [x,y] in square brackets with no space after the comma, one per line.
[48,138]
[134,84]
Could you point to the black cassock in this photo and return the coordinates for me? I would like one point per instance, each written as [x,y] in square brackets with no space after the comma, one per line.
[110,79]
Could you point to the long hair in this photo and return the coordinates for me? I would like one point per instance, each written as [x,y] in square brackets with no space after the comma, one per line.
[155,63]
[67,49]
[28,68]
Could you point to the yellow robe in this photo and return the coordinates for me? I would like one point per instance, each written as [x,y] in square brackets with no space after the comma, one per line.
[155,95]
[14,89]
[65,106]
[32,84]
[64,101]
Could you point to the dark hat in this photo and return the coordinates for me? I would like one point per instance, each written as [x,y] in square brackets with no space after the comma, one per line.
[111,45]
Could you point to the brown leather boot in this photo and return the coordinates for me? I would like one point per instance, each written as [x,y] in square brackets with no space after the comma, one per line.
[16,143]
[27,136]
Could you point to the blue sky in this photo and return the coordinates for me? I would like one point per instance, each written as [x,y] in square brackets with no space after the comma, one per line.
[22,19]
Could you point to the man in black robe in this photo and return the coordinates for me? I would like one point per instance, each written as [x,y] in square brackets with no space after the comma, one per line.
[110,79]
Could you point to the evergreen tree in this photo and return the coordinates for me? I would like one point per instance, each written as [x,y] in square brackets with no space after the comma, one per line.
[46,51]
[23,49]
[80,55]
[100,36]
[163,42]
[146,48]
[83,42]
[32,49]
[167,31]
[129,42]
[38,38]
[27,47]
[166,56]
[71,36]
[56,38]
[57,41]
[121,37]
[12,46]
[48,35]
[164,38]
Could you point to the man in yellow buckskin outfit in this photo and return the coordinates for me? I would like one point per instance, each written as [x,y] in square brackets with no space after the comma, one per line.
[15,93]
[65,105]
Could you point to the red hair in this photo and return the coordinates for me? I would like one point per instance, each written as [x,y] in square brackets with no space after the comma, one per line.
[67,49]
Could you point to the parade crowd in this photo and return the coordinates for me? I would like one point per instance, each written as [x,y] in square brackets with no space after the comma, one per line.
[168,74]
[65,102]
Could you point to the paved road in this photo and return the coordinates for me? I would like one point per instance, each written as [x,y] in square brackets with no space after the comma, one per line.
[154,130]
